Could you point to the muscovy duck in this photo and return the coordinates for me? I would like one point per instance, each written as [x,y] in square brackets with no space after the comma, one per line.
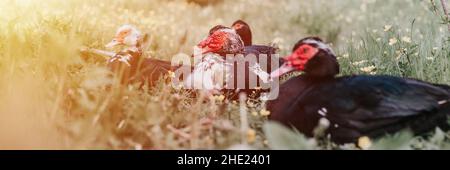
[215,72]
[355,106]
[243,29]
[130,64]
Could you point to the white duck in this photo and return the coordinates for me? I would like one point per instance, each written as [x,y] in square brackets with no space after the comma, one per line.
[212,72]
[130,63]
[216,74]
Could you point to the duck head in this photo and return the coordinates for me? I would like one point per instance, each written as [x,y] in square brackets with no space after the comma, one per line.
[222,41]
[127,35]
[312,56]
[216,28]
[243,29]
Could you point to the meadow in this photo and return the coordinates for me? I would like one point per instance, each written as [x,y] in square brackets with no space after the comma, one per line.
[53,97]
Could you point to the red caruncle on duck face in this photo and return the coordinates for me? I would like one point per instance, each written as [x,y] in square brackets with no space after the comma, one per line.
[301,56]
[214,43]
[297,60]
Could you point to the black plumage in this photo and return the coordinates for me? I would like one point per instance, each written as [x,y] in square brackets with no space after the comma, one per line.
[131,65]
[270,62]
[233,44]
[360,105]
[243,29]
[139,69]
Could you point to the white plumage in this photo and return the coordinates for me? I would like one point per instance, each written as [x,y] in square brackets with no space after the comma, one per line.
[211,74]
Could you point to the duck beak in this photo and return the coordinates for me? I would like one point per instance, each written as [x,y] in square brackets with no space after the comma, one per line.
[285,68]
[206,50]
[112,44]
[203,47]
[237,26]
[199,51]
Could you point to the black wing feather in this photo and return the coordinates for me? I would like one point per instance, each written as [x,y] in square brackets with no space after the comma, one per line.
[358,105]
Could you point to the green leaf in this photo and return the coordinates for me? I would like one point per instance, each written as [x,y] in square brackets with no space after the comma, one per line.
[398,141]
[438,137]
[282,138]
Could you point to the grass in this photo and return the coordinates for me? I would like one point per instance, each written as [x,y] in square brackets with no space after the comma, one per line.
[51,97]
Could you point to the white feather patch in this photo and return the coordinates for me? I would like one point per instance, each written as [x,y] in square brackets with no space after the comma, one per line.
[443,102]
[210,74]
[264,76]
[320,45]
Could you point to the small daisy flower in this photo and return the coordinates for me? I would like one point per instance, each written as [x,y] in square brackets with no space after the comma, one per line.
[406,39]
[171,74]
[264,112]
[364,143]
[357,63]
[220,98]
[387,28]
[393,41]
[251,136]
[368,69]
[346,55]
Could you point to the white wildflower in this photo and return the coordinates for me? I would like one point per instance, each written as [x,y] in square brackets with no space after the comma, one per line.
[393,41]
[357,63]
[368,69]
[387,28]
[364,142]
[406,39]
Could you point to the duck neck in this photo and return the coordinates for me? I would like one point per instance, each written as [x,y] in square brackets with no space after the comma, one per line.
[246,35]
[315,78]
[134,51]
[322,67]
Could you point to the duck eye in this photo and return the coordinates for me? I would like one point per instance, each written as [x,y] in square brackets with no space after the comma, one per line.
[126,32]
[302,50]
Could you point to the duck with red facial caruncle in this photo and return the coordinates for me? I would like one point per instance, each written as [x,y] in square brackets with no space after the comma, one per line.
[354,106]
[243,29]
[130,64]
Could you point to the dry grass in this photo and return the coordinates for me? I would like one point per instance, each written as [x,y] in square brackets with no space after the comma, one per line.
[52,98]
